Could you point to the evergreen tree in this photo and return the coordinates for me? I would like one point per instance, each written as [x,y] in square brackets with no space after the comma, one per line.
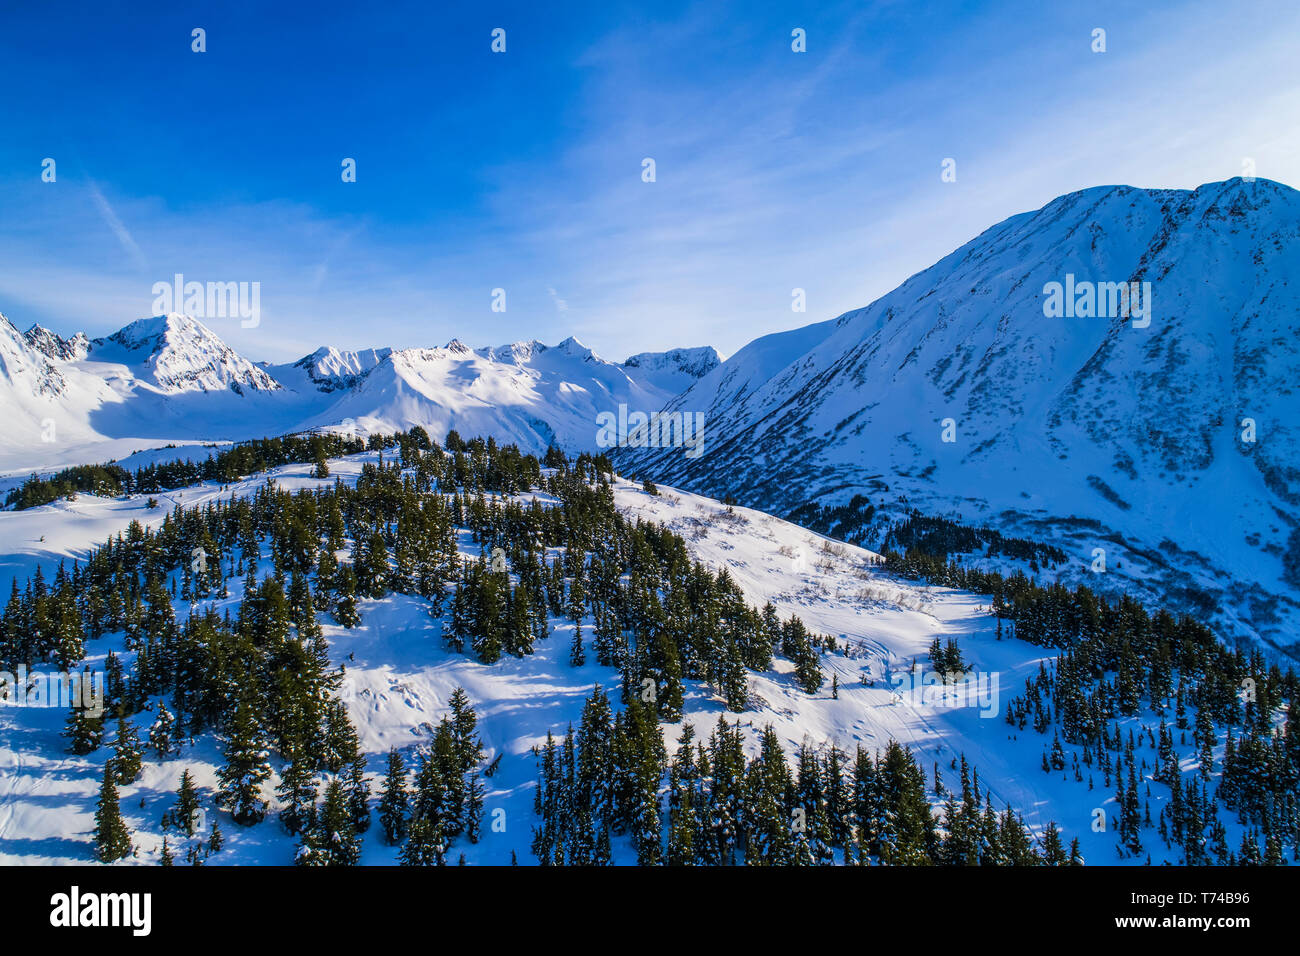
[85,731]
[357,791]
[126,759]
[474,809]
[345,608]
[185,814]
[246,769]
[425,845]
[330,840]
[162,733]
[297,793]
[112,839]
[467,746]
[1053,851]
[394,801]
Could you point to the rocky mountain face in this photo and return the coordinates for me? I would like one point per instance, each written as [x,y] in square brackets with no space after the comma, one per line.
[329,369]
[52,345]
[24,370]
[176,353]
[676,369]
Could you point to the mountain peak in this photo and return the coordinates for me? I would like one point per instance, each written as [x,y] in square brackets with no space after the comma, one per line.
[519,353]
[676,369]
[181,354]
[52,345]
[329,369]
[696,362]
[571,346]
[150,331]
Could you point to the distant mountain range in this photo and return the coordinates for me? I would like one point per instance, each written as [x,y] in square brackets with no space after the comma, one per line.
[171,378]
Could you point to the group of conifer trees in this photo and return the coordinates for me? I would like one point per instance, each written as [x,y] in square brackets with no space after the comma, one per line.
[1180,689]
[227,465]
[1085,694]
[552,548]
[262,679]
[710,805]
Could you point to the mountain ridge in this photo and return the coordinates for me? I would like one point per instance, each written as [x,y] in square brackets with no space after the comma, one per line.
[172,378]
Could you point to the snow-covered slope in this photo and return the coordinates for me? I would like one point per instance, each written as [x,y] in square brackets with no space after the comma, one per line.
[44,402]
[400,676]
[1092,432]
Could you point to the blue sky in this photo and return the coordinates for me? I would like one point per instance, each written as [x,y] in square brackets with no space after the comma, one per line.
[522,170]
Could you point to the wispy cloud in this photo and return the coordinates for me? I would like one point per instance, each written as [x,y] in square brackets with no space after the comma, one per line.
[118,228]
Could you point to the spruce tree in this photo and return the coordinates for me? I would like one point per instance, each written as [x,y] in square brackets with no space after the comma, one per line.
[394,801]
[185,814]
[297,793]
[247,768]
[331,839]
[162,733]
[425,845]
[1053,851]
[85,731]
[345,608]
[357,791]
[215,840]
[464,723]
[126,759]
[112,839]
[474,808]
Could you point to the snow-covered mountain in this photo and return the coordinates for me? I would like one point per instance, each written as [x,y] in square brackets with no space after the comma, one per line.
[164,378]
[1167,438]
[1170,440]
[175,353]
[56,346]
[42,397]
[172,379]
[329,369]
[526,393]
[25,369]
[676,369]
